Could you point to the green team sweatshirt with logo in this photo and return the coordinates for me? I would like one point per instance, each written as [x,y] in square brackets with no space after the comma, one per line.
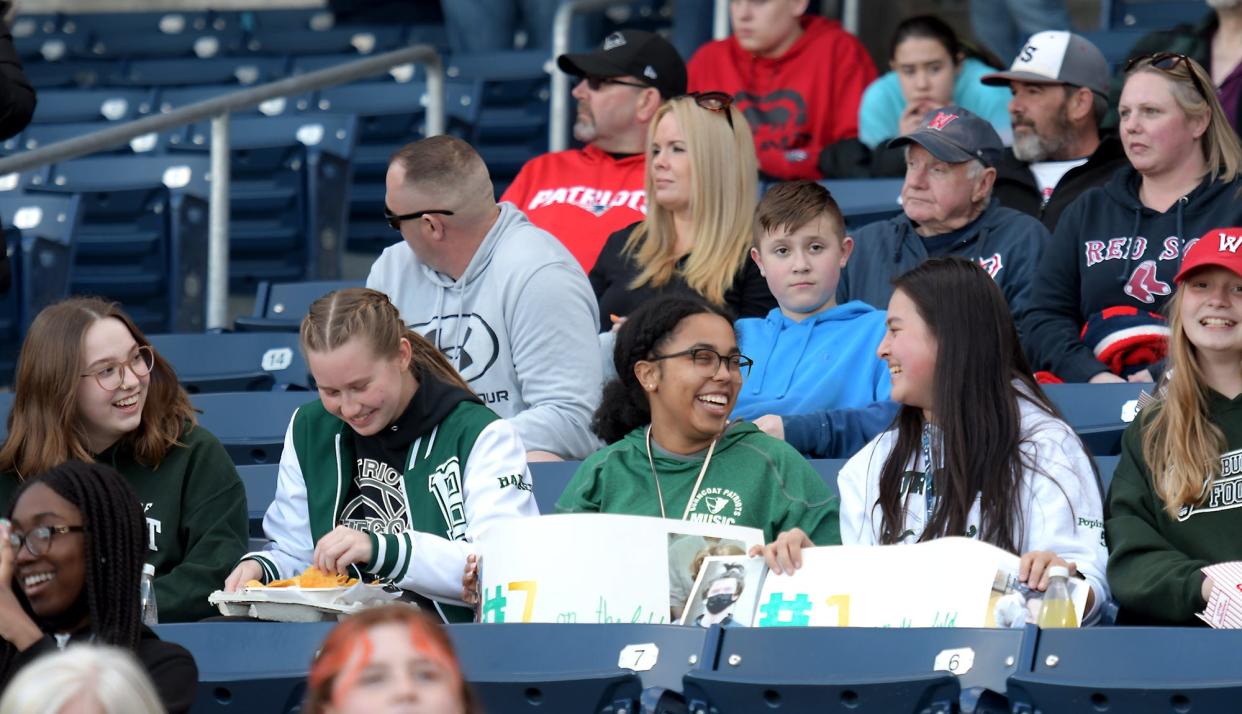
[1154,563]
[196,520]
[752,480]
[464,471]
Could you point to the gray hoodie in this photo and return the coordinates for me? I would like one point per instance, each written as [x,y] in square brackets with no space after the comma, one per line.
[519,325]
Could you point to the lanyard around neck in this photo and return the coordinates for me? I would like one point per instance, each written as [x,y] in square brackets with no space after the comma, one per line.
[698,482]
[929,491]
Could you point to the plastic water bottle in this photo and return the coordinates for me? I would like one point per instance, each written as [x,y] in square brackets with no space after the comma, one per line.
[1057,609]
[146,590]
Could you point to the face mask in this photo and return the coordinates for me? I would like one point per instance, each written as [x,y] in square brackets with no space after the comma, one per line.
[717,604]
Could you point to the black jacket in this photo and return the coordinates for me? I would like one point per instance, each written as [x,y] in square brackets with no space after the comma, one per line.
[17,103]
[614,270]
[170,666]
[1017,189]
[1108,251]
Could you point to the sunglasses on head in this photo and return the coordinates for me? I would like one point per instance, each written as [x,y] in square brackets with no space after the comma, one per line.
[1167,62]
[719,102]
[595,83]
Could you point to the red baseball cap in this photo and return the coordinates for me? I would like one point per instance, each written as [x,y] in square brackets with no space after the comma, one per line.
[1219,246]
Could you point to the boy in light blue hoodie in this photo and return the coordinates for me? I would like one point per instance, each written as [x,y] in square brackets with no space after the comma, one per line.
[812,356]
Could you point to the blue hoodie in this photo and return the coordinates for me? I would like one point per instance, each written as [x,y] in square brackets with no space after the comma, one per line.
[827,361]
[1005,242]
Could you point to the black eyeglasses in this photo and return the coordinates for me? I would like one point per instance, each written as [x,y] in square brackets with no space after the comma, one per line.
[39,540]
[718,102]
[708,361]
[1167,62]
[595,83]
[394,221]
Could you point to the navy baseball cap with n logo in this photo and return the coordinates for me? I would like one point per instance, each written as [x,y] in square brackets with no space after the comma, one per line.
[955,135]
[644,56]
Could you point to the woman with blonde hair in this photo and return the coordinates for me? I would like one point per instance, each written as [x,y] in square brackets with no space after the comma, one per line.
[701,191]
[395,469]
[1173,507]
[91,387]
[82,678]
[1109,268]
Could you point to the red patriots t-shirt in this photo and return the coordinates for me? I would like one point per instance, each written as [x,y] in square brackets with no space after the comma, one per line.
[581,196]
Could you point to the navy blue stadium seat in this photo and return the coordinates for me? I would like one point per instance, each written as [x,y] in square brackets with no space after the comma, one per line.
[1106,465]
[143,239]
[864,201]
[388,118]
[260,483]
[233,362]
[310,18]
[251,425]
[401,74]
[39,232]
[568,668]
[803,669]
[266,673]
[1115,44]
[289,194]
[363,40]
[1149,14]
[116,35]
[38,135]
[68,73]
[177,97]
[227,71]
[79,105]
[828,469]
[1136,670]
[550,479]
[6,405]
[280,307]
[1098,413]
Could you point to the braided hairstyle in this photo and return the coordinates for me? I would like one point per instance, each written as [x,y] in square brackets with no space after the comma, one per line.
[624,406]
[115,542]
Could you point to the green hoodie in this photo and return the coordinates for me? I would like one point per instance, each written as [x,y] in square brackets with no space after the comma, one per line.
[196,519]
[753,480]
[1154,560]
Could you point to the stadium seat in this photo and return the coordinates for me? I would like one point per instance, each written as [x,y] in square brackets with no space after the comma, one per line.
[1115,45]
[176,97]
[38,135]
[828,470]
[280,307]
[260,483]
[143,238]
[123,35]
[232,72]
[1136,670]
[363,40]
[80,105]
[267,673]
[864,201]
[550,479]
[803,669]
[1149,15]
[76,73]
[1098,413]
[400,74]
[289,194]
[231,362]
[1105,466]
[251,425]
[6,405]
[564,668]
[39,232]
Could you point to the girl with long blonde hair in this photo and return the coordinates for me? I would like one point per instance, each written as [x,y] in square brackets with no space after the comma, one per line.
[1176,494]
[395,469]
[701,191]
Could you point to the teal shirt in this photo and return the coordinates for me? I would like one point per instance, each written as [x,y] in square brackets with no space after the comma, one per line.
[879,113]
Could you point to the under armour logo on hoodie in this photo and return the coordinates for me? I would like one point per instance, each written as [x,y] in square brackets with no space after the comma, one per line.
[1143,285]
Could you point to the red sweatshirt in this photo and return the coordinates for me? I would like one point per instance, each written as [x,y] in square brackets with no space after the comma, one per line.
[797,103]
[581,196]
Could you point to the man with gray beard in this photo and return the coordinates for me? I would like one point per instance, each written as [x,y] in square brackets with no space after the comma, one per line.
[1060,83]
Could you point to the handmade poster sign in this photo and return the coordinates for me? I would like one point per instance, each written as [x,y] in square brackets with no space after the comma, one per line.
[590,567]
[948,582]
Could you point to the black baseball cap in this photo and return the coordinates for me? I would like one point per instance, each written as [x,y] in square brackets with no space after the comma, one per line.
[955,135]
[645,56]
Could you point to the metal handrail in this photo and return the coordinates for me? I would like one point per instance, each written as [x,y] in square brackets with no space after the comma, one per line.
[558,103]
[218,110]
